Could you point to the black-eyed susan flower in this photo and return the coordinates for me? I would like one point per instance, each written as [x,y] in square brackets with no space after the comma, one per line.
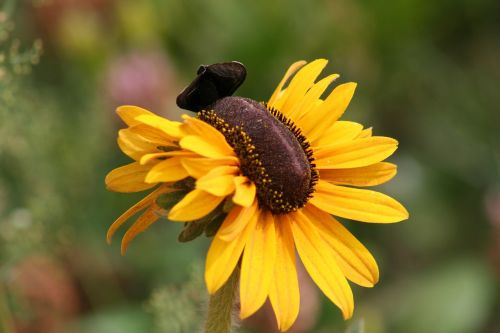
[268,179]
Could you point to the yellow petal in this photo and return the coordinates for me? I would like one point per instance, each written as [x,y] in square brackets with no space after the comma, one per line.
[219,181]
[140,225]
[357,204]
[366,133]
[339,132]
[292,69]
[128,113]
[197,167]
[134,145]
[223,256]
[371,175]
[207,133]
[195,205]
[308,102]
[203,147]
[145,159]
[299,85]
[284,289]
[354,154]
[231,227]
[321,264]
[128,178]
[315,122]
[257,266]
[169,170]
[355,261]
[244,191]
[148,200]
[170,128]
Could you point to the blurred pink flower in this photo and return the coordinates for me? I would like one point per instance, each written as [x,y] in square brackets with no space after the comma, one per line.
[141,78]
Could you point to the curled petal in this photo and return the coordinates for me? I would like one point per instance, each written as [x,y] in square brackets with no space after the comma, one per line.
[128,178]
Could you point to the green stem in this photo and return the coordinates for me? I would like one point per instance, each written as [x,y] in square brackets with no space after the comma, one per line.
[221,306]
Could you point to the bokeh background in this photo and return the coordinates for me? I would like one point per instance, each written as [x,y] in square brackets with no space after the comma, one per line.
[428,74]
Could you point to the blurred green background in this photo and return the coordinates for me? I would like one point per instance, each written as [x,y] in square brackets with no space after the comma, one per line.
[428,74]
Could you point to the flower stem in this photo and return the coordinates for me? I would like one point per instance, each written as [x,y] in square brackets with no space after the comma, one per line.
[221,306]
[6,324]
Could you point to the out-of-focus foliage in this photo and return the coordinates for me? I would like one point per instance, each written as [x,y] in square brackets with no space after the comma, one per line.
[427,74]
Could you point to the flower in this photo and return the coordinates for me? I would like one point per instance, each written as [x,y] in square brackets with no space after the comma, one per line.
[279,171]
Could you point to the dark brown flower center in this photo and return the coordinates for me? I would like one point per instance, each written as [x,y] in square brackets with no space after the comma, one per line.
[272,151]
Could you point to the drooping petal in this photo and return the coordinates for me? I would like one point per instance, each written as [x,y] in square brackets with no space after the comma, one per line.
[257,266]
[219,181]
[245,190]
[321,264]
[128,113]
[357,204]
[292,69]
[169,170]
[299,85]
[134,145]
[223,256]
[284,289]
[371,175]
[145,159]
[145,202]
[128,178]
[195,205]
[140,225]
[355,154]
[315,122]
[231,227]
[355,261]
[339,132]
[197,167]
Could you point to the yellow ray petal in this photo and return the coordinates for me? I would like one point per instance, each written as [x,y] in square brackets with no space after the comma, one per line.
[198,128]
[169,170]
[357,204]
[223,256]
[128,113]
[148,200]
[205,148]
[304,105]
[284,290]
[219,181]
[134,145]
[355,261]
[371,175]
[244,191]
[128,178]
[197,167]
[354,154]
[141,224]
[292,69]
[145,159]
[195,205]
[170,128]
[339,132]
[257,266]
[366,133]
[315,122]
[299,85]
[320,263]
[231,227]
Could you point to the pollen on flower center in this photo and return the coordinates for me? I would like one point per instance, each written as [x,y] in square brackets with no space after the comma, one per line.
[272,151]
